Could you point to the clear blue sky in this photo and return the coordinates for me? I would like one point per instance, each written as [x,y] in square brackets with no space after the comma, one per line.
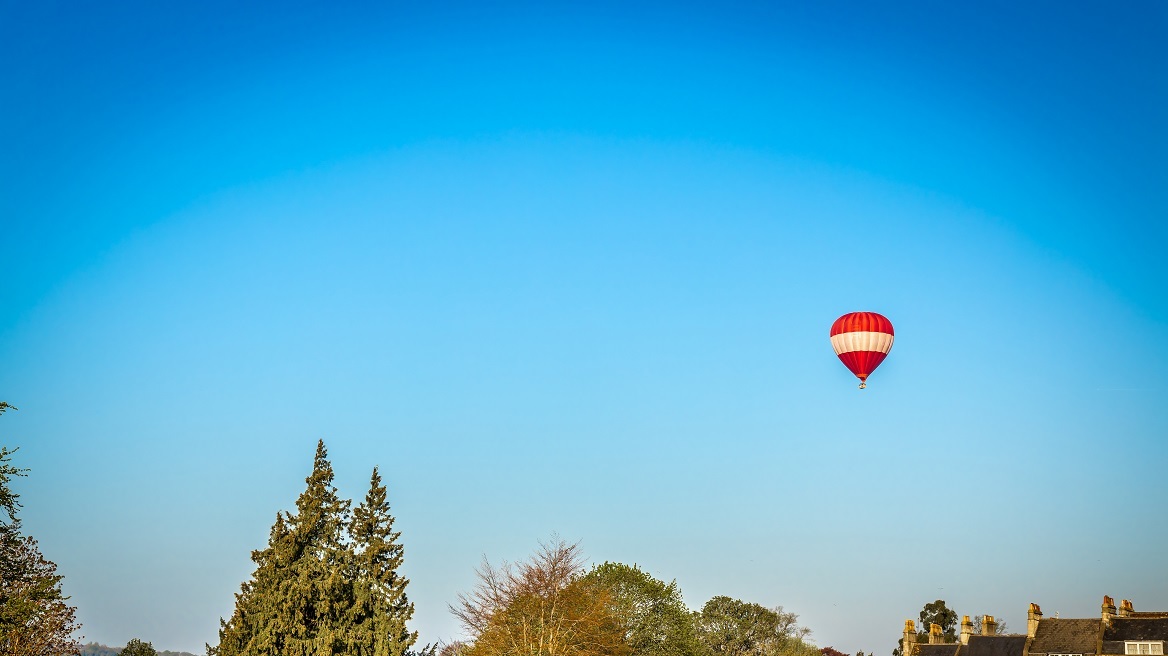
[571,269]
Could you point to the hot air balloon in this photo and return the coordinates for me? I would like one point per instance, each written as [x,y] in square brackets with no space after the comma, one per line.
[862,340]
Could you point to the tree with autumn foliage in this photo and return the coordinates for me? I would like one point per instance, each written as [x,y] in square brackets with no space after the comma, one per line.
[543,607]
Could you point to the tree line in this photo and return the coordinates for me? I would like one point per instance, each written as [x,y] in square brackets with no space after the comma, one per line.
[328,583]
[135,647]
[551,605]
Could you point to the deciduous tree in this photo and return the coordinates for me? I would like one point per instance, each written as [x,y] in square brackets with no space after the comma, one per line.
[652,615]
[35,619]
[1000,627]
[937,613]
[731,627]
[136,647]
[542,607]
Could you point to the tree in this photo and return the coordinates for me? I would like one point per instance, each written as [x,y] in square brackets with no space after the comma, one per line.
[35,619]
[651,613]
[1000,627]
[382,607]
[543,607]
[731,627]
[325,584]
[831,651]
[136,647]
[9,500]
[940,614]
[453,648]
[934,613]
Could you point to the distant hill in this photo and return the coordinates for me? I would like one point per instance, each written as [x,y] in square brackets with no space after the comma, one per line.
[94,649]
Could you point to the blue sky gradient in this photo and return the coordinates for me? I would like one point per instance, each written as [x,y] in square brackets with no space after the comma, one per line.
[571,269]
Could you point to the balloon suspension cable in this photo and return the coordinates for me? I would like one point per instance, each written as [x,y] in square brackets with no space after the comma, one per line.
[863,384]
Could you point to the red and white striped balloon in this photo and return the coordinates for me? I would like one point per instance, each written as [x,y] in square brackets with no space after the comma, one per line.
[862,340]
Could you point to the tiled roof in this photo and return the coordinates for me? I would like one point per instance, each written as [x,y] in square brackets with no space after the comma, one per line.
[1010,645]
[1066,636]
[1137,628]
[937,650]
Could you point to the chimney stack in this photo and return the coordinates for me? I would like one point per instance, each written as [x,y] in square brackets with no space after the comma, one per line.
[1108,610]
[988,625]
[936,636]
[1033,617]
[966,629]
[910,638]
[1125,608]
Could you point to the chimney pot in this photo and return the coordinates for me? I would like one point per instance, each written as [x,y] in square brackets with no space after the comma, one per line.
[1125,608]
[1108,609]
[910,638]
[1033,617]
[988,625]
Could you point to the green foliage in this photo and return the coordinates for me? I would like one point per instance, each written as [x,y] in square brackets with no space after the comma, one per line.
[938,613]
[380,592]
[653,617]
[731,627]
[548,606]
[136,647]
[933,613]
[325,584]
[34,616]
[9,500]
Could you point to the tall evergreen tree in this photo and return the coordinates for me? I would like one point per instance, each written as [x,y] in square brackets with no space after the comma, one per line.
[382,608]
[299,601]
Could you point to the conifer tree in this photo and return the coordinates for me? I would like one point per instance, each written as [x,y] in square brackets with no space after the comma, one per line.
[382,607]
[299,601]
[254,629]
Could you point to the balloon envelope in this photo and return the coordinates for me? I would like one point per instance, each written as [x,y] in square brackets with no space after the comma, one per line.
[862,340]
